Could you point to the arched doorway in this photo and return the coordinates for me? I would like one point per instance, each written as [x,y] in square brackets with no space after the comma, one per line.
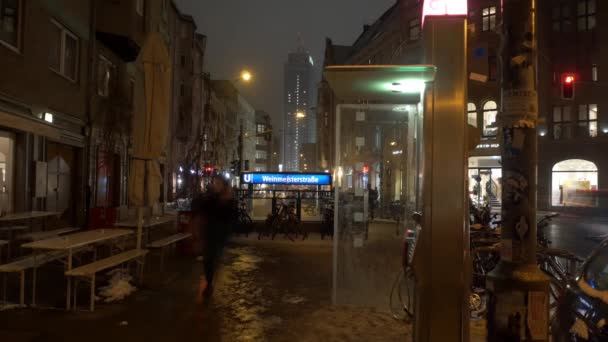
[574,184]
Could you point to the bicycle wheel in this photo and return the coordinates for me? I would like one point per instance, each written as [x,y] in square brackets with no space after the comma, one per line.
[401,298]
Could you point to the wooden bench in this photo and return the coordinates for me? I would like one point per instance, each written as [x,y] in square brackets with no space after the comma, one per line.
[89,271]
[47,234]
[20,266]
[165,242]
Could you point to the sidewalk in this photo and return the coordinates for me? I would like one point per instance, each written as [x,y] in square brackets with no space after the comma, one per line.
[267,291]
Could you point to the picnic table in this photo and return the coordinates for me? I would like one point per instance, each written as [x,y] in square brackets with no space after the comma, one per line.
[72,242]
[42,235]
[28,215]
[148,223]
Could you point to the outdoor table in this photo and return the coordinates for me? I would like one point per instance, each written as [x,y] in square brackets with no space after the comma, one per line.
[29,215]
[150,222]
[47,234]
[71,242]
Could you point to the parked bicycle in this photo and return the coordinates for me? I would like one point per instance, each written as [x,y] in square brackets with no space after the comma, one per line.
[283,221]
[244,224]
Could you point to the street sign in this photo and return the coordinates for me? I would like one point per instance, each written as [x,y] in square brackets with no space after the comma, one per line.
[286,178]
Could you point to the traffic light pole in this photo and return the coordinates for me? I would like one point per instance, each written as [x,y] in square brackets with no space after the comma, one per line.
[519,301]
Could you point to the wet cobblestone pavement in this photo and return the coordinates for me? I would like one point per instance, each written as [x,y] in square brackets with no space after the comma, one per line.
[265,291]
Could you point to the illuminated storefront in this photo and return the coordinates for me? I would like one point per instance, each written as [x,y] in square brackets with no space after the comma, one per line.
[574,184]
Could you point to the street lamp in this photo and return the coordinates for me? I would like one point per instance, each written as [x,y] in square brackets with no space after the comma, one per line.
[300,115]
[246,76]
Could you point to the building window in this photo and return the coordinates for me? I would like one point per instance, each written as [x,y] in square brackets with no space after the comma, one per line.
[63,55]
[260,128]
[561,122]
[586,15]
[574,184]
[139,7]
[106,72]
[10,25]
[594,73]
[587,120]
[184,32]
[492,68]
[561,18]
[414,29]
[183,61]
[260,155]
[472,114]
[490,110]
[488,18]
[182,90]
[260,141]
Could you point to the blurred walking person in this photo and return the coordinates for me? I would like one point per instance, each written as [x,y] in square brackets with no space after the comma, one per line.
[215,209]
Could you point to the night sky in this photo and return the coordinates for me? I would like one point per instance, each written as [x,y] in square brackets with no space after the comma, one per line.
[258,35]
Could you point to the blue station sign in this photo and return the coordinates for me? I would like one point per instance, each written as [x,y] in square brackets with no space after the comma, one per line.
[286,178]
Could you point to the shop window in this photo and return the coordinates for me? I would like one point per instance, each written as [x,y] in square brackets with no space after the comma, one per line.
[561,18]
[587,120]
[490,111]
[63,54]
[10,23]
[488,18]
[561,122]
[472,114]
[575,183]
[586,19]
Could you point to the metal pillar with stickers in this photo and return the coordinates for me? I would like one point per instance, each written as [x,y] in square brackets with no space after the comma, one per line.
[519,301]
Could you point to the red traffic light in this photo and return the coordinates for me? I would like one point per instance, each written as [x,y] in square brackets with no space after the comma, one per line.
[568,84]
[365,169]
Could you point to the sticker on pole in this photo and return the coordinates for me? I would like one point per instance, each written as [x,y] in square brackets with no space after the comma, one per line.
[520,108]
[537,315]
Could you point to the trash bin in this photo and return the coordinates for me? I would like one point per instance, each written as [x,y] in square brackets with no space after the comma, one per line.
[192,246]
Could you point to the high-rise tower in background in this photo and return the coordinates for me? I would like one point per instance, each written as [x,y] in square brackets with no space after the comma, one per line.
[299,123]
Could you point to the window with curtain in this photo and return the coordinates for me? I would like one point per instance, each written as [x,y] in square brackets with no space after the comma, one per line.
[561,122]
[472,114]
[490,111]
[586,19]
[587,120]
[10,25]
[488,18]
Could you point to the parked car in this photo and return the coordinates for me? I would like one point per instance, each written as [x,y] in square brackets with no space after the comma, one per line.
[582,310]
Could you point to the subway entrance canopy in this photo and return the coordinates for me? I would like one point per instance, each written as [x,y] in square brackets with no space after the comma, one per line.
[381,84]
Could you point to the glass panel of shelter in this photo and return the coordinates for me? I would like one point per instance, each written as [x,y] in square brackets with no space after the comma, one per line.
[377,175]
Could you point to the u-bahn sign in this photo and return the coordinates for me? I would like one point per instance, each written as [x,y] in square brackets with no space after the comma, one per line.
[282,178]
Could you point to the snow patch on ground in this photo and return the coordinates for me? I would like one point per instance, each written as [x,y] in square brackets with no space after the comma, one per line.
[293,299]
[119,286]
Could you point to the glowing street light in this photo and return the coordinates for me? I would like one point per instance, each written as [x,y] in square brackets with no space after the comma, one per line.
[300,115]
[246,76]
